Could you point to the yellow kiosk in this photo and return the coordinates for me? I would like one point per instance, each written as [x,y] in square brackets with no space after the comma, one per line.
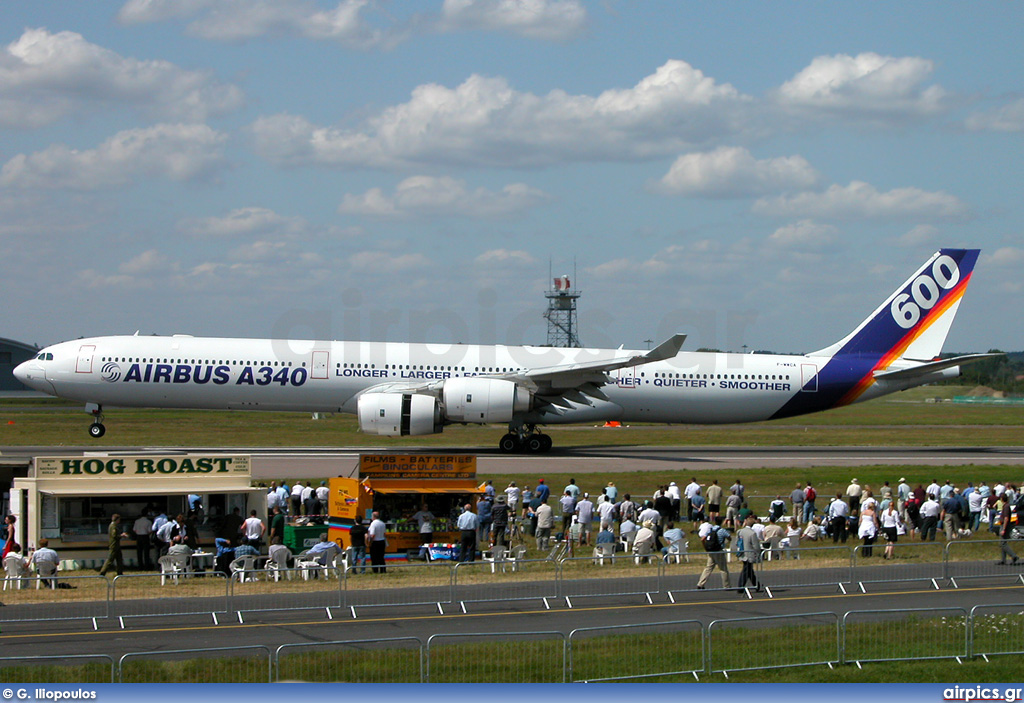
[397,486]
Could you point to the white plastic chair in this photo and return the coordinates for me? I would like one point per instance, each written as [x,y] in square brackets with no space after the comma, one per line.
[172,566]
[279,564]
[496,555]
[46,570]
[15,571]
[246,565]
[791,547]
[642,551]
[602,552]
[676,550]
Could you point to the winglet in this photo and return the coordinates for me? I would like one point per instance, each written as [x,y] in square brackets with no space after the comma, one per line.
[667,349]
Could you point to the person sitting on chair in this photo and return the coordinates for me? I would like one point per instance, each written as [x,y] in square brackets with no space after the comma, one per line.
[45,555]
[322,551]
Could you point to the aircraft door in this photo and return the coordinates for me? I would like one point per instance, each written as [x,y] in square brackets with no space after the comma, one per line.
[809,378]
[85,356]
[321,362]
[626,378]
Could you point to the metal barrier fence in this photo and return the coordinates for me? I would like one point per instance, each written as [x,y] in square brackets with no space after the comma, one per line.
[75,668]
[895,635]
[352,661]
[910,561]
[996,629]
[522,579]
[833,566]
[624,652]
[971,559]
[194,594]
[580,578]
[252,664]
[672,650]
[773,642]
[24,602]
[439,584]
[520,657]
[285,589]
[401,585]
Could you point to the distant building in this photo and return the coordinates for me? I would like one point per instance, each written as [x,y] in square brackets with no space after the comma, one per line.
[11,354]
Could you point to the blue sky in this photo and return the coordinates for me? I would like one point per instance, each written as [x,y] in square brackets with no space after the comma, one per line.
[751,174]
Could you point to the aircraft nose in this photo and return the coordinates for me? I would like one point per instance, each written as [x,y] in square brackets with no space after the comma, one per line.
[32,374]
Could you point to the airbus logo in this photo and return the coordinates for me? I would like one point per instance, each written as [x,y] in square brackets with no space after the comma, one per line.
[111,372]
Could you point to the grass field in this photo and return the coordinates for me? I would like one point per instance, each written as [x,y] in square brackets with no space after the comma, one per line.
[908,418]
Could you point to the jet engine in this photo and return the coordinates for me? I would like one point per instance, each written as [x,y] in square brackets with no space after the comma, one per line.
[399,414]
[483,399]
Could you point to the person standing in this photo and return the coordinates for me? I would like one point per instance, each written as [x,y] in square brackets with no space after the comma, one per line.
[10,533]
[142,528]
[377,542]
[714,498]
[809,496]
[930,510]
[323,498]
[1006,533]
[114,557]
[797,498]
[425,524]
[277,523]
[253,529]
[838,513]
[749,547]
[468,524]
[545,523]
[357,536]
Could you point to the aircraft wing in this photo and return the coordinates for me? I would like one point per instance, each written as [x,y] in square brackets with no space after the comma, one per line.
[573,375]
[932,366]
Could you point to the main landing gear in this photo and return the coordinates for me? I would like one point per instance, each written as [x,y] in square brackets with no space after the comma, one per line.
[524,438]
[96,429]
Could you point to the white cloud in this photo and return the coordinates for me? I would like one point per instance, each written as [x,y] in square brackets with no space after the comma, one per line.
[176,151]
[428,195]
[505,258]
[733,172]
[46,76]
[484,121]
[345,23]
[805,234]
[242,221]
[537,19]
[921,235]
[148,262]
[375,262]
[871,86]
[861,200]
[1008,118]
[1006,257]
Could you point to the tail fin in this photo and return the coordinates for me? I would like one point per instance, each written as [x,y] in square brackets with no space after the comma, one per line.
[913,322]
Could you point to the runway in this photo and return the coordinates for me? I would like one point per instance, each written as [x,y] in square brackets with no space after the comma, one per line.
[327,462]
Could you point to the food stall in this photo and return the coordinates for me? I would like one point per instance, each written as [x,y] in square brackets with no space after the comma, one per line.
[397,486]
[70,499]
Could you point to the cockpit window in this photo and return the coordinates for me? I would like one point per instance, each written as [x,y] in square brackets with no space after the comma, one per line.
[47,356]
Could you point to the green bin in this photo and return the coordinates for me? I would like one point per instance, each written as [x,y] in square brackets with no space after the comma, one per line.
[300,538]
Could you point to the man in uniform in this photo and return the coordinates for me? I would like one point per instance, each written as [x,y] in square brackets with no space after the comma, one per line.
[114,535]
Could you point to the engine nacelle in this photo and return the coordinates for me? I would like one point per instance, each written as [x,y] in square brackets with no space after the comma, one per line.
[399,414]
[483,399]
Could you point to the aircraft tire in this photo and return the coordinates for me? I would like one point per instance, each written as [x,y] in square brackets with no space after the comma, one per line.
[509,443]
[534,444]
[97,430]
[545,441]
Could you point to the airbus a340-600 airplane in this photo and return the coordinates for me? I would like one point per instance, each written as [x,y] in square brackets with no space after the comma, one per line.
[417,389]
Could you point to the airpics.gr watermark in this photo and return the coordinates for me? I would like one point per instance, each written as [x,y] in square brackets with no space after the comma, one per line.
[982,693]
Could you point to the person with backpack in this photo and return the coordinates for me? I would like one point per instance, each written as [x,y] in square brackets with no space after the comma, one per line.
[809,495]
[714,538]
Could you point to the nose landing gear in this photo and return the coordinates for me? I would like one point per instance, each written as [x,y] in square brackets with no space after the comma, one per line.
[96,429]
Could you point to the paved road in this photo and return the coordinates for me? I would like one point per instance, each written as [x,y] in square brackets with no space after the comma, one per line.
[310,626]
[326,462]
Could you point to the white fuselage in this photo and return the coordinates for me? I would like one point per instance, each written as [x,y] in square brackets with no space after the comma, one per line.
[263,374]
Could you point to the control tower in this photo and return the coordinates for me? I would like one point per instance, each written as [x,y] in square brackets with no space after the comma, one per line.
[561,314]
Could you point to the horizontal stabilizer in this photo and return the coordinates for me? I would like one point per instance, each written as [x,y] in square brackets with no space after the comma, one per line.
[931,367]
